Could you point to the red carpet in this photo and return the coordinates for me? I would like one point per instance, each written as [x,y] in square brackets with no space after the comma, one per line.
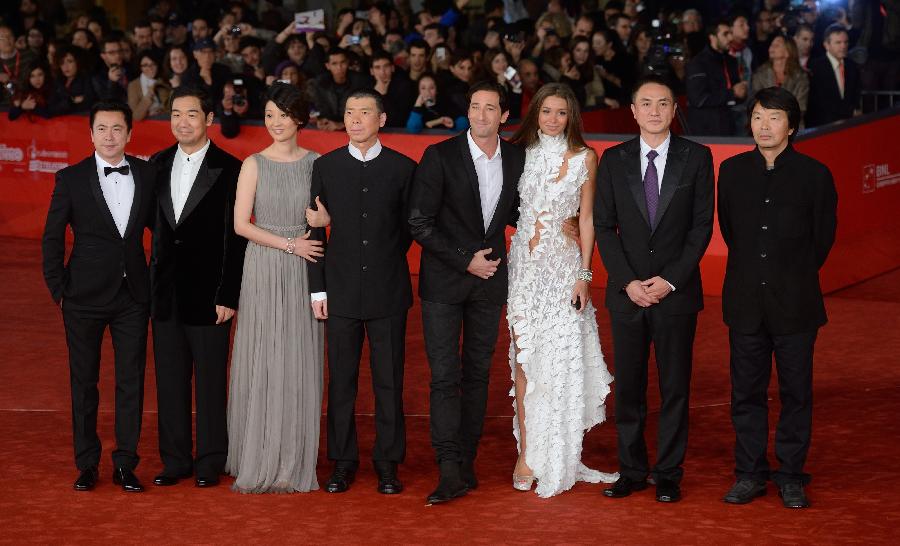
[853,458]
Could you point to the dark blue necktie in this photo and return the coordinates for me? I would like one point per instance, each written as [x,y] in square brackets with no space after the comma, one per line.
[651,186]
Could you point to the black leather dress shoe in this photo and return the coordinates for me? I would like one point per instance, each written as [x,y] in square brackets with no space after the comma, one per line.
[206,481]
[744,491]
[86,480]
[341,478]
[388,484]
[467,474]
[792,496]
[165,479]
[667,491]
[623,487]
[126,478]
[450,485]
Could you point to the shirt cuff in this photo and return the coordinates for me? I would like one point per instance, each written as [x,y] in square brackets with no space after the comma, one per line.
[321,296]
[672,286]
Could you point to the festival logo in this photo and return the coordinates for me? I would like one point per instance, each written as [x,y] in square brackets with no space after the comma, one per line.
[877,176]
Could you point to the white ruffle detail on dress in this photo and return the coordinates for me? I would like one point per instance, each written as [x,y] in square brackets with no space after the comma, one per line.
[558,348]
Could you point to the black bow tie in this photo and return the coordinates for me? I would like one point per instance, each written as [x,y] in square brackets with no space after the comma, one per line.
[123,170]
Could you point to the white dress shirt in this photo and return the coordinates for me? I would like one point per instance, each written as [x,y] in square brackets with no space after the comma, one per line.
[490,178]
[371,153]
[118,191]
[357,154]
[660,162]
[836,66]
[184,171]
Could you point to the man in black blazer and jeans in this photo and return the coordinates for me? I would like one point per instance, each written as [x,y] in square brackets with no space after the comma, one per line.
[196,271]
[107,199]
[362,287]
[777,213]
[653,219]
[463,197]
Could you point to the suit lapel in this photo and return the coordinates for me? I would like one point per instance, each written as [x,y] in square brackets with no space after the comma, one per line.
[631,156]
[507,191]
[136,200]
[675,162]
[98,195]
[165,186]
[206,178]
[469,167]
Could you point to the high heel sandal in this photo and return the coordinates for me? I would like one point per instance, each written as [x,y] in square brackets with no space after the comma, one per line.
[523,483]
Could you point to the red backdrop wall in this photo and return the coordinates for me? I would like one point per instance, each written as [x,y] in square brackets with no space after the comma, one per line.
[862,156]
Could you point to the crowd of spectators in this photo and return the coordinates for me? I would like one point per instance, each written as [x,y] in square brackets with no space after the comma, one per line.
[422,56]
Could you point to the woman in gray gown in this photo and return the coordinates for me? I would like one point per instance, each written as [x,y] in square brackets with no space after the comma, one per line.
[275,398]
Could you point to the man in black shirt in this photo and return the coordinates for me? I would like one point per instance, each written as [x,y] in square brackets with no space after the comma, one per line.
[394,87]
[110,81]
[713,85]
[206,74]
[777,214]
[329,91]
[365,187]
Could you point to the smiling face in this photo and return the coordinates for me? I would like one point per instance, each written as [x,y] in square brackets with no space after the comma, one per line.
[188,122]
[554,116]
[178,61]
[110,134]
[485,115]
[149,68]
[771,128]
[281,127]
[362,120]
[653,108]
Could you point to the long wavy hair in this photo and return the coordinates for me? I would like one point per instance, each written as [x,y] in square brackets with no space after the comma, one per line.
[527,134]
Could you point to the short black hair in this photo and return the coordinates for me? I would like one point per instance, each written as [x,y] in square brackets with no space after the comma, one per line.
[421,44]
[143,23]
[778,98]
[336,51]
[737,14]
[493,86]
[206,102]
[250,41]
[651,79]
[290,100]
[111,106]
[380,55]
[834,28]
[442,30]
[108,39]
[369,94]
[713,29]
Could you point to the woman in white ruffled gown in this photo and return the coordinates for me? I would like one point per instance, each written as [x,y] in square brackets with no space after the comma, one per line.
[560,379]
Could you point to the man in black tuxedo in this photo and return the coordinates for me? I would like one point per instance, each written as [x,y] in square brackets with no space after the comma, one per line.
[107,200]
[653,218]
[365,186]
[834,86]
[463,197]
[195,272]
[777,213]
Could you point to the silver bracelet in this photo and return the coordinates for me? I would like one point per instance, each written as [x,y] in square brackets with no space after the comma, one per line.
[585,275]
[289,249]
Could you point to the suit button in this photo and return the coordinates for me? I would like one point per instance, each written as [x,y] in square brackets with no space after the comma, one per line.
[767,200]
[762,255]
[364,215]
[765,228]
[651,251]
[365,190]
[365,268]
[763,283]
[365,241]
[177,241]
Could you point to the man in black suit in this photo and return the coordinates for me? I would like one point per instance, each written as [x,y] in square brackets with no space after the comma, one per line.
[834,87]
[463,197]
[107,200]
[195,272]
[365,186]
[777,213]
[713,85]
[653,217]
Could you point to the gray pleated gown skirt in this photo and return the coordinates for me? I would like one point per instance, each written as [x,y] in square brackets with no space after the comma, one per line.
[275,395]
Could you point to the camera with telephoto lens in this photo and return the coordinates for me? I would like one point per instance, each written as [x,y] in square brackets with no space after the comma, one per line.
[665,46]
[238,99]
